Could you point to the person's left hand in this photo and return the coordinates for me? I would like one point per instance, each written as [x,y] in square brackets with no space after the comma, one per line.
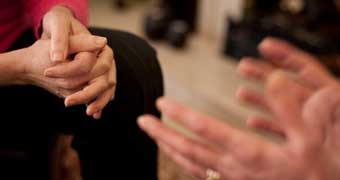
[58,25]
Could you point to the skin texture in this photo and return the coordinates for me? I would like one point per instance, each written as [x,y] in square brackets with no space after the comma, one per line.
[70,63]
[59,25]
[89,78]
[303,99]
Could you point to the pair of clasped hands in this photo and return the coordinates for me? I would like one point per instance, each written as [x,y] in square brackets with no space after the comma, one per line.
[304,101]
[71,63]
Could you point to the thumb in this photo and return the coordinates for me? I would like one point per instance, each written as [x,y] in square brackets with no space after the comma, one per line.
[60,32]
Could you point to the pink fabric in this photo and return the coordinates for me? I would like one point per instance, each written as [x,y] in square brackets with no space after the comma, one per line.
[16,16]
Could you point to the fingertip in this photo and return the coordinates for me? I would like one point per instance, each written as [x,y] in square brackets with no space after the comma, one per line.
[68,102]
[245,67]
[100,41]
[241,93]
[266,42]
[160,102]
[274,49]
[97,115]
[89,111]
[143,121]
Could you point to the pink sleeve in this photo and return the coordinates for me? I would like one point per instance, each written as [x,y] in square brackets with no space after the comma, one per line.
[36,10]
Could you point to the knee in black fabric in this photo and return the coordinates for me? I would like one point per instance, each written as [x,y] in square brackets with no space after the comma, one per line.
[142,61]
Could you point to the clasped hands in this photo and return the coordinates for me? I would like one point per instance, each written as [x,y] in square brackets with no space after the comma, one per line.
[304,101]
[71,63]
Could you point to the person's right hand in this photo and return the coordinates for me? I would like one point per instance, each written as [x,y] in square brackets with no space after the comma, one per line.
[37,60]
[308,119]
[305,111]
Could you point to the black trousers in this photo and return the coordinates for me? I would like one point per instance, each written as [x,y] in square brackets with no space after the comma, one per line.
[111,148]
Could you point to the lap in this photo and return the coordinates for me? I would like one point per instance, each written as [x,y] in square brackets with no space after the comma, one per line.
[33,115]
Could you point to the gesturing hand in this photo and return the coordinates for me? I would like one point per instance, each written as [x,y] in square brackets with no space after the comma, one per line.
[305,113]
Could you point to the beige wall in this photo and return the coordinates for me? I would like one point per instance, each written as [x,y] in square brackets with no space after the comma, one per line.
[213,13]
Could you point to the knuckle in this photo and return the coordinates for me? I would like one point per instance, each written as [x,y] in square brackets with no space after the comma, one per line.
[107,66]
[104,67]
[84,59]
[84,68]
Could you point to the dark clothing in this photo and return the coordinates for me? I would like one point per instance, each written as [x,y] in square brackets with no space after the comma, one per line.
[111,148]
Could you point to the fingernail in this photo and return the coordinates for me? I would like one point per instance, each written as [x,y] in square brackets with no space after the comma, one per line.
[274,48]
[96,116]
[142,121]
[89,111]
[160,101]
[266,43]
[100,41]
[58,56]
[68,103]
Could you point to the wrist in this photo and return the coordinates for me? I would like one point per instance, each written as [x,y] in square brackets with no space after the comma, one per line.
[13,67]
[21,60]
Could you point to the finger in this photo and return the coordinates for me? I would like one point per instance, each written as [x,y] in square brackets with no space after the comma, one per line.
[187,165]
[97,115]
[286,97]
[79,28]
[188,148]
[291,58]
[252,97]
[60,31]
[234,142]
[88,94]
[71,84]
[255,69]
[203,126]
[209,129]
[266,125]
[100,103]
[106,97]
[84,42]
[284,54]
[82,64]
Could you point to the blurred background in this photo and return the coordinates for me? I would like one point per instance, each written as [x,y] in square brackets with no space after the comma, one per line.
[199,43]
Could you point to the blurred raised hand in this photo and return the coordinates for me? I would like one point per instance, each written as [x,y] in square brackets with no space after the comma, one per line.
[305,113]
